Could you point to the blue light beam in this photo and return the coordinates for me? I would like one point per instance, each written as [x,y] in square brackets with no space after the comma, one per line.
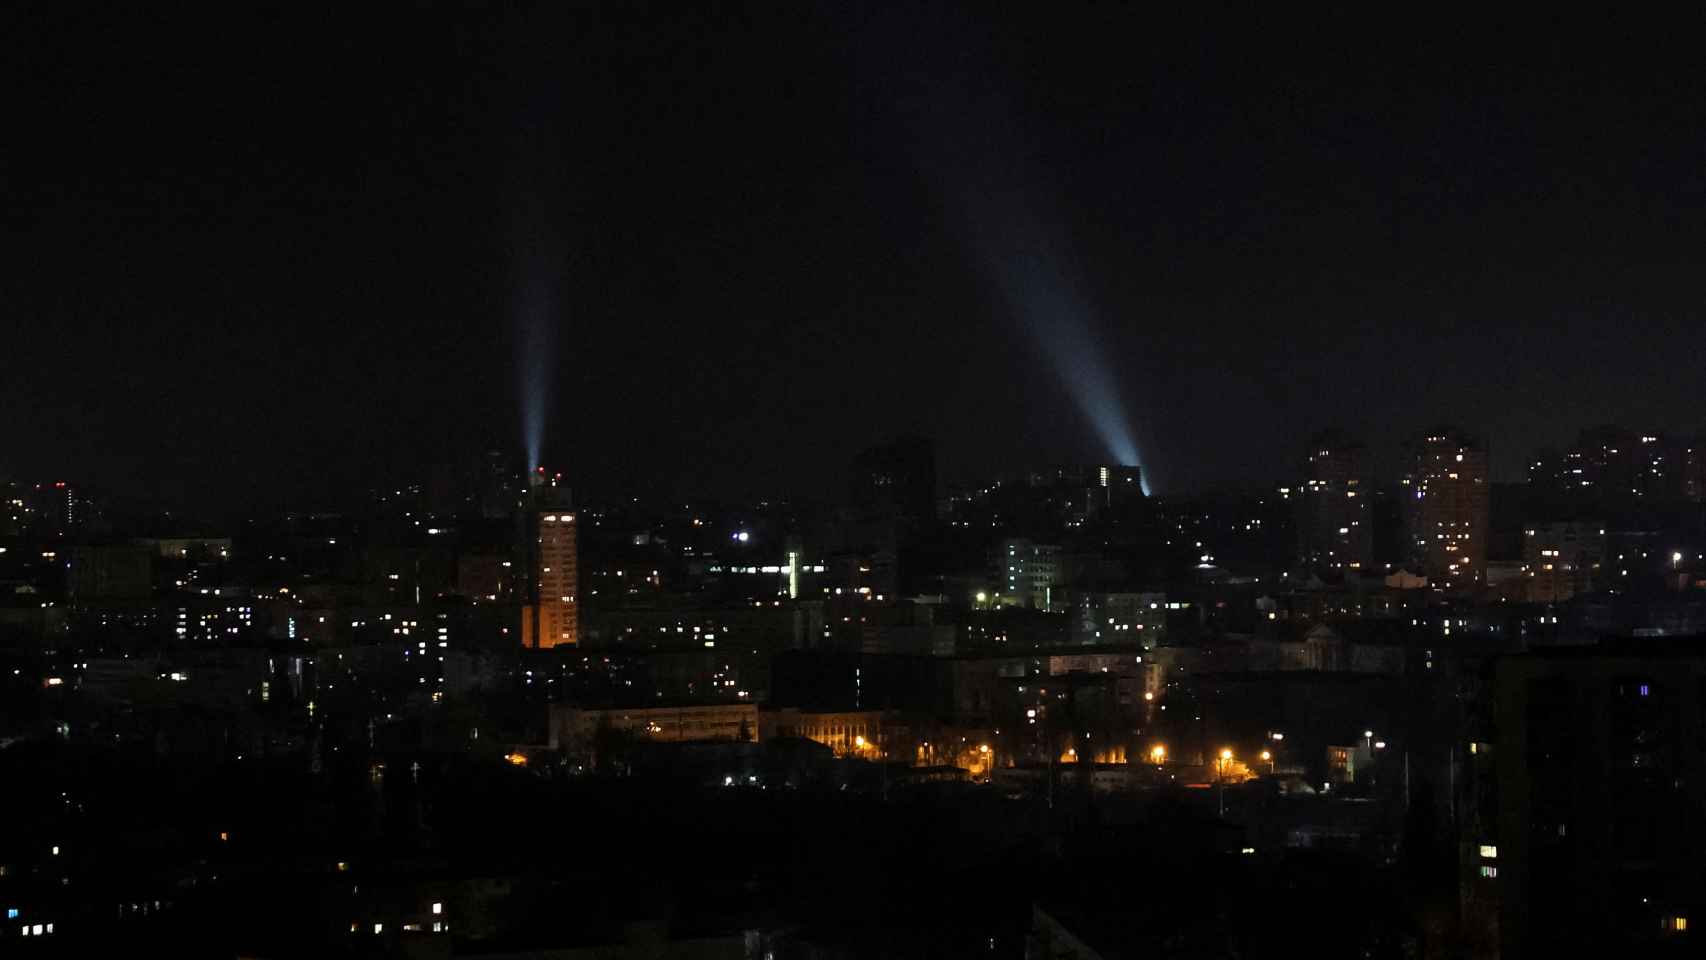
[1042,290]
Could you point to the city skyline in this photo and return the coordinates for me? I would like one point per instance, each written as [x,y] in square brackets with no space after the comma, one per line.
[902,481]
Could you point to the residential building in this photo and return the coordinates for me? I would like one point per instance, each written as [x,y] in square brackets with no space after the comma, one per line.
[1445,493]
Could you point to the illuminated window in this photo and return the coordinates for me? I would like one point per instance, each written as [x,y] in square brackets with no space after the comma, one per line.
[437,908]
[1674,924]
[1489,873]
[1489,852]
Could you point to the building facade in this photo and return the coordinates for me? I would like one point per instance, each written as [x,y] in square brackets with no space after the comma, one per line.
[1028,572]
[1587,837]
[1334,529]
[1610,464]
[552,619]
[1445,491]
[573,728]
[1560,560]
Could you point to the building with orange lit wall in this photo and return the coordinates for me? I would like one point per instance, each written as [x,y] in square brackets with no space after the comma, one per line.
[553,618]
[852,733]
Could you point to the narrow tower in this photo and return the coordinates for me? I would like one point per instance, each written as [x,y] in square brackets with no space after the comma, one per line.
[551,617]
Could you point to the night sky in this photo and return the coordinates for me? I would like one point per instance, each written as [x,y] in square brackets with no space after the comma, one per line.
[271,259]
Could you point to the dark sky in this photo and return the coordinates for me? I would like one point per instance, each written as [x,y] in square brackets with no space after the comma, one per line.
[264,257]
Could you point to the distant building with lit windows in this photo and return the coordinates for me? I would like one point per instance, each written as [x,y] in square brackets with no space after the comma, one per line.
[575,728]
[854,733]
[1694,470]
[1116,484]
[1560,560]
[1028,572]
[1612,464]
[1334,528]
[1445,492]
[552,617]
[1088,491]
[63,508]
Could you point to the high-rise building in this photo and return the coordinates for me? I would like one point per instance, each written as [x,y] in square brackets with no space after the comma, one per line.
[1445,493]
[1694,470]
[1581,824]
[1335,530]
[1114,484]
[1611,464]
[496,487]
[1028,572]
[63,509]
[1560,560]
[551,618]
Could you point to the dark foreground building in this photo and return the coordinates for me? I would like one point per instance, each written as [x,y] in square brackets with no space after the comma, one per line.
[1586,836]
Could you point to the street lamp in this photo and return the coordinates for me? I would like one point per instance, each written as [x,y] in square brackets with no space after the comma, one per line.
[1158,754]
